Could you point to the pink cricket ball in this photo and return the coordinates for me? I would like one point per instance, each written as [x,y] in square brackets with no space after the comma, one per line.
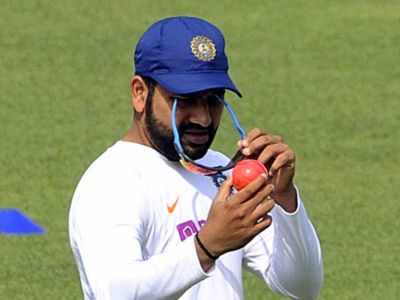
[246,171]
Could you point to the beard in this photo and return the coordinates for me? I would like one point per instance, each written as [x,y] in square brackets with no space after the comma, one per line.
[162,137]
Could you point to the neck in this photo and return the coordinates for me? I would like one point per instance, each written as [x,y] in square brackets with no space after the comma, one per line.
[136,134]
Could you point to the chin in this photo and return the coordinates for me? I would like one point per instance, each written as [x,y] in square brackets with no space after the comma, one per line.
[196,153]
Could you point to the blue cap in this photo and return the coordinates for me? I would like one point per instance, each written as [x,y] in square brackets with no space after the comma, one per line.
[184,55]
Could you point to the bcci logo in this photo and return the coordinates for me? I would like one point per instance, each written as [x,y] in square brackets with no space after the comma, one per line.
[203,48]
[218,179]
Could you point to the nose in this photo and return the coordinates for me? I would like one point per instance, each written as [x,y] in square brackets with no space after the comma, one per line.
[200,113]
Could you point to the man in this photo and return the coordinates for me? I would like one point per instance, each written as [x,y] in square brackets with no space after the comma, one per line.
[144,226]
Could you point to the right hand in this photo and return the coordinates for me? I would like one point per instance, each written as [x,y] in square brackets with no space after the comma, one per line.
[235,219]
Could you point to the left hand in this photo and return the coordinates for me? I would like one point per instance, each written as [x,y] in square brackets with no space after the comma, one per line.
[279,159]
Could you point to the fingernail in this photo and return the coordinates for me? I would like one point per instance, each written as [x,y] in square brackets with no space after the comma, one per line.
[246,151]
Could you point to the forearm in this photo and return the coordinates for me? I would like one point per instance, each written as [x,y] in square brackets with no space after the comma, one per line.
[163,276]
[296,262]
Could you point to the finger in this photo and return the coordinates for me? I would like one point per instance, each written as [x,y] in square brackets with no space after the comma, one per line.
[272,151]
[285,159]
[262,225]
[225,190]
[260,197]
[259,143]
[262,210]
[253,134]
[250,190]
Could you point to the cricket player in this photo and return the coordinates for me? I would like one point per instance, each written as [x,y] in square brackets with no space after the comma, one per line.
[156,215]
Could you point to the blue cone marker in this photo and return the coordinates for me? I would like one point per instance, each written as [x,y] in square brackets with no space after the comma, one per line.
[14,222]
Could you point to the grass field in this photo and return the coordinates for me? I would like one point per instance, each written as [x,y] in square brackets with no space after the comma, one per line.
[324,74]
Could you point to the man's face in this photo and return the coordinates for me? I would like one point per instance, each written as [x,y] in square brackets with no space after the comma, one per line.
[197,120]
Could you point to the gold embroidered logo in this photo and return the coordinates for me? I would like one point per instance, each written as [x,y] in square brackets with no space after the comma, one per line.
[203,48]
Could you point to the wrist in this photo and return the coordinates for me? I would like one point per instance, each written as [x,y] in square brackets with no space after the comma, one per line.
[287,199]
[206,261]
[205,249]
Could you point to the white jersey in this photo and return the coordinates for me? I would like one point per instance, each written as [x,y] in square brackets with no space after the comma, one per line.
[132,223]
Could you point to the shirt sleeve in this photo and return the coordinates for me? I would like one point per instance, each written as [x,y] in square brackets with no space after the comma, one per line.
[288,255]
[107,236]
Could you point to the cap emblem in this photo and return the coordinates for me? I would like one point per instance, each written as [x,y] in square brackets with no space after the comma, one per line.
[203,48]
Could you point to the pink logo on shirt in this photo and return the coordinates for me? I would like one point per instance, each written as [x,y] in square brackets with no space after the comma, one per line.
[189,228]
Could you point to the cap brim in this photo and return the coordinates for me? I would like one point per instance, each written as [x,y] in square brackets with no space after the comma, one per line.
[182,84]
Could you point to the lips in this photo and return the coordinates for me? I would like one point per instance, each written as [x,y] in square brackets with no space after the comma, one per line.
[196,136]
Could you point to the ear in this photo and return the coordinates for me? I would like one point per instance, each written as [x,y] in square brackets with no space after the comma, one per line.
[139,93]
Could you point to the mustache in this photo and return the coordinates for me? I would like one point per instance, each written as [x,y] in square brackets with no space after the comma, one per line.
[192,126]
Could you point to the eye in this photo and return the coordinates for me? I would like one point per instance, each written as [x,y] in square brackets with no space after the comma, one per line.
[183,102]
[214,99]
[180,100]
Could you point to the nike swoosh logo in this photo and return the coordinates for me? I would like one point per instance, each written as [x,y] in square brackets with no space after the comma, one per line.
[172,207]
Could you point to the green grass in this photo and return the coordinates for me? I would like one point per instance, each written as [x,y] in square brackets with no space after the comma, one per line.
[324,74]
